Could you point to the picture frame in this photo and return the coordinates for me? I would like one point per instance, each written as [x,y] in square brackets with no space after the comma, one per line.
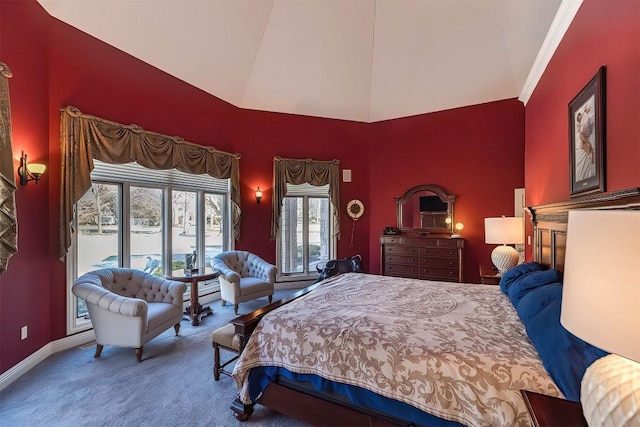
[587,137]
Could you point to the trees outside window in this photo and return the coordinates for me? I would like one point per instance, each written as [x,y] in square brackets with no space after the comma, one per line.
[148,220]
[305,236]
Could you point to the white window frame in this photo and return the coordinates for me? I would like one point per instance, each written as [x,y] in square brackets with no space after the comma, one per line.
[305,191]
[132,174]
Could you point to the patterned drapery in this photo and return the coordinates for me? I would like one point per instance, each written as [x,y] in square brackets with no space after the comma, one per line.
[8,221]
[84,138]
[300,171]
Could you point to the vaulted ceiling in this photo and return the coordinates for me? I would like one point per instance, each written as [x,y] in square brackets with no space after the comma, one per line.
[361,60]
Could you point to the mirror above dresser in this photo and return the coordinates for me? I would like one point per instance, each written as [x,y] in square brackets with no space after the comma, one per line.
[425,209]
[425,247]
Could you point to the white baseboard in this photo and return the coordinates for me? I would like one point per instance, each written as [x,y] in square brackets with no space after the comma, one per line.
[47,350]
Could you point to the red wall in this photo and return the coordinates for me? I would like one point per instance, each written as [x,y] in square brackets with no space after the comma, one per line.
[475,153]
[602,33]
[25,290]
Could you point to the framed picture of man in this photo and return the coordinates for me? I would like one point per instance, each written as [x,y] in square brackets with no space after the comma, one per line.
[587,137]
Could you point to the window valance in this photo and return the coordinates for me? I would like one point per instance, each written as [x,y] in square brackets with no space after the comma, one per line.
[300,171]
[84,138]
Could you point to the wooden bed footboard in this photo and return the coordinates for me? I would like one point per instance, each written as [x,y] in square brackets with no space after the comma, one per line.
[312,409]
[550,226]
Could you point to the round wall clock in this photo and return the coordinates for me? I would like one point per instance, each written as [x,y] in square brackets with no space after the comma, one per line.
[355,209]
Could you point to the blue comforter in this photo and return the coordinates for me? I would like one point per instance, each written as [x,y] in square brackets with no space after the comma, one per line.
[536,293]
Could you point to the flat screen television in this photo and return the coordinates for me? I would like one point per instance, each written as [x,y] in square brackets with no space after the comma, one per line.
[432,204]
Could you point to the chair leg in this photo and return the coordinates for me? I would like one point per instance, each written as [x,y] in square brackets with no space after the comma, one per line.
[139,354]
[176,327]
[216,362]
[235,308]
[270,299]
[98,350]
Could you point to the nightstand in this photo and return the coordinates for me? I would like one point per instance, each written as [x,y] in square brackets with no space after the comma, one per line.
[549,411]
[489,275]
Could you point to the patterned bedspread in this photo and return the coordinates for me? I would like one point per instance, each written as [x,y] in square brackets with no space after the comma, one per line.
[456,351]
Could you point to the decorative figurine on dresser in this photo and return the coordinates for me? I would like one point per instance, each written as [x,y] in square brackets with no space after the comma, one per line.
[424,245]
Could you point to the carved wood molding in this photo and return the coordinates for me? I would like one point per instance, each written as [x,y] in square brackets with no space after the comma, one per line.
[558,211]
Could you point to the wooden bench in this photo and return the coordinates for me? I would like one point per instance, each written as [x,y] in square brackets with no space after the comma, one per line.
[226,338]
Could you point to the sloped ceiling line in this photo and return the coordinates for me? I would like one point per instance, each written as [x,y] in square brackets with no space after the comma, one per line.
[391,58]
[255,56]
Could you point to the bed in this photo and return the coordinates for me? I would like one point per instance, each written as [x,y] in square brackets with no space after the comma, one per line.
[359,349]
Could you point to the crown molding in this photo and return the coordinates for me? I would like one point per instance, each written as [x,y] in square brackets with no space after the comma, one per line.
[564,16]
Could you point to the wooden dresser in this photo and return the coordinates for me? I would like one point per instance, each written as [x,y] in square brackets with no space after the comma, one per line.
[431,257]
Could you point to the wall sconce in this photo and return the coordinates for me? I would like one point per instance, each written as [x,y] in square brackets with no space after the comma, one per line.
[29,171]
[258,195]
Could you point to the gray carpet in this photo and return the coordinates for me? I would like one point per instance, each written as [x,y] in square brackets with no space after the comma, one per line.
[172,386]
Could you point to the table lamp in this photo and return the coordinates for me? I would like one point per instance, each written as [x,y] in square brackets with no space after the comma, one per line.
[601,305]
[504,231]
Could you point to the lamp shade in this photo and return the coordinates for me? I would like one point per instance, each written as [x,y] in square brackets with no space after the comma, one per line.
[601,290]
[36,168]
[504,230]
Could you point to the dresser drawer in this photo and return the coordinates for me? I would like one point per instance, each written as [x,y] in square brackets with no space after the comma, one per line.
[401,259]
[394,240]
[451,263]
[429,257]
[450,243]
[439,273]
[401,270]
[400,250]
[439,252]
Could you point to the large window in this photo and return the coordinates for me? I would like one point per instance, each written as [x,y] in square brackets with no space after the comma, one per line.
[149,220]
[305,235]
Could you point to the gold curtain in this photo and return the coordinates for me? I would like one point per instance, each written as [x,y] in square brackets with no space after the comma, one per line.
[84,138]
[300,171]
[8,221]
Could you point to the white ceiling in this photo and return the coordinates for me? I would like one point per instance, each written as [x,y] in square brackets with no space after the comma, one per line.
[361,60]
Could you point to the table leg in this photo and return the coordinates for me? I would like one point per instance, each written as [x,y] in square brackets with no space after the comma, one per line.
[195,311]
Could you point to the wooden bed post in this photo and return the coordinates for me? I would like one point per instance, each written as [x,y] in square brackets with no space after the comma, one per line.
[241,411]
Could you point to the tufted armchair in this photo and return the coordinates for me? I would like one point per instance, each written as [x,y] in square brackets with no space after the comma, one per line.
[128,307]
[244,276]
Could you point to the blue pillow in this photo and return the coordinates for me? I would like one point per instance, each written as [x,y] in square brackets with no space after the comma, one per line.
[534,301]
[527,282]
[565,356]
[519,270]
